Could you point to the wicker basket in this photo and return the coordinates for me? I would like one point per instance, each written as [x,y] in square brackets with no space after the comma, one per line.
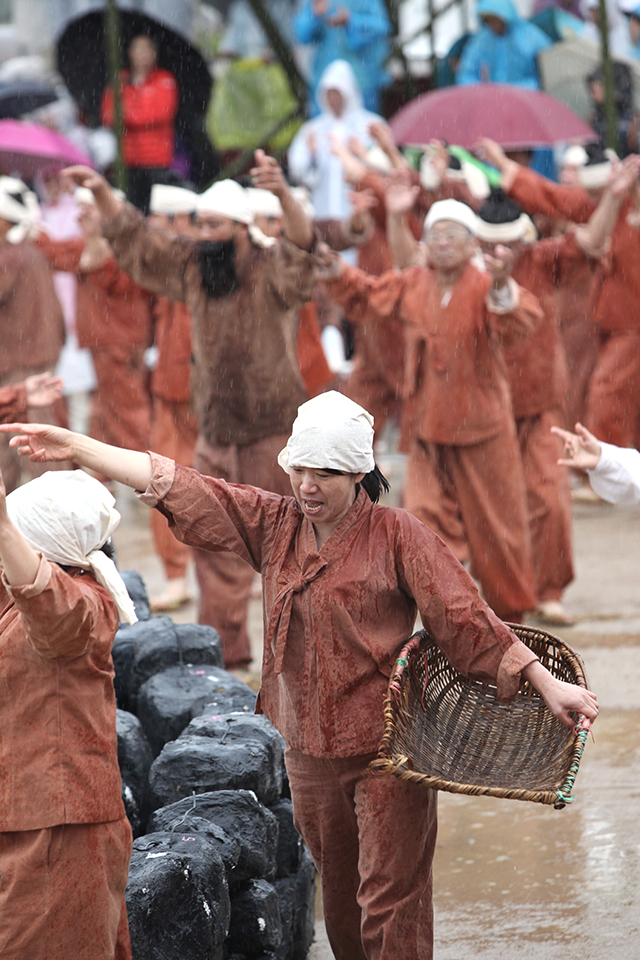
[451,733]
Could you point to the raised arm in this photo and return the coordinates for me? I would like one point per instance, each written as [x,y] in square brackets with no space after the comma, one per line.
[401,195]
[535,193]
[598,230]
[156,259]
[18,559]
[296,226]
[44,443]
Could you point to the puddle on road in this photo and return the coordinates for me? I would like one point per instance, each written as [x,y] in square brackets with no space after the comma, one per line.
[516,879]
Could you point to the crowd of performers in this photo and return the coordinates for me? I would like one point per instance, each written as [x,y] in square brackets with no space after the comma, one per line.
[480,319]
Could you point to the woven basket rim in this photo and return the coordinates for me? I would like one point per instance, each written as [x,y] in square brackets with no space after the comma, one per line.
[392,761]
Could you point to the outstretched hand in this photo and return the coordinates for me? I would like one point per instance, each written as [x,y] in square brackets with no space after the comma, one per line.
[43,389]
[499,264]
[624,175]
[401,193]
[492,153]
[267,175]
[581,449]
[41,442]
[106,200]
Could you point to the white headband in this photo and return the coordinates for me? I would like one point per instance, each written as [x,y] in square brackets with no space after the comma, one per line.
[67,516]
[226,198]
[451,210]
[330,432]
[263,202]
[170,200]
[510,232]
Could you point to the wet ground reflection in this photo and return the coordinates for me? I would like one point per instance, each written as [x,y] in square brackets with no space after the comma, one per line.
[520,879]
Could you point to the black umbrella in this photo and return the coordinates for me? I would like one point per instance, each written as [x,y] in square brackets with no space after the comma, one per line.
[23,96]
[81,54]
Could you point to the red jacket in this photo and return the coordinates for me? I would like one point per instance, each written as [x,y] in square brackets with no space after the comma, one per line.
[148,112]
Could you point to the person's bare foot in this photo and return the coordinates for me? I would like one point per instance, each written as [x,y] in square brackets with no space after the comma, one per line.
[174,596]
[553,613]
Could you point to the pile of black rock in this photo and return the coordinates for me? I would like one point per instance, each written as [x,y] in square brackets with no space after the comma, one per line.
[218,871]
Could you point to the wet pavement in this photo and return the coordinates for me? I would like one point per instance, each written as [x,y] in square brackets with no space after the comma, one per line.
[521,880]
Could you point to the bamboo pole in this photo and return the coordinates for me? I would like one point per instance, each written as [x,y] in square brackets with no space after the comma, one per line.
[610,112]
[113,44]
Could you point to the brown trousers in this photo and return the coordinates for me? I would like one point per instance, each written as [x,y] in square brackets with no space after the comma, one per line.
[121,408]
[581,348]
[225,580]
[373,393]
[62,892]
[474,498]
[173,434]
[613,402]
[372,839]
[549,504]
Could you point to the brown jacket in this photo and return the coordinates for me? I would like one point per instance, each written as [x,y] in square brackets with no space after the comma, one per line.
[335,618]
[456,389]
[112,309]
[171,378]
[58,747]
[247,382]
[31,323]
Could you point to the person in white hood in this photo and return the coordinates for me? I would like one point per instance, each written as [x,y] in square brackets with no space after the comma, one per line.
[311,159]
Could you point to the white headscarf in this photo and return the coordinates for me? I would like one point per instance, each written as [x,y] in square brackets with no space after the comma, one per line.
[452,210]
[226,198]
[67,516]
[330,432]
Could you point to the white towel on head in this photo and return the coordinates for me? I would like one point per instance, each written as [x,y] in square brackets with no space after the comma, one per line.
[330,432]
[67,516]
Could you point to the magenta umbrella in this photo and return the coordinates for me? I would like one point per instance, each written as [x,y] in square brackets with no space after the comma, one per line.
[26,148]
[514,117]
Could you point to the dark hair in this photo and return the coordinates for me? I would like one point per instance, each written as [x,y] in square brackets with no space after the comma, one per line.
[373,483]
[109,549]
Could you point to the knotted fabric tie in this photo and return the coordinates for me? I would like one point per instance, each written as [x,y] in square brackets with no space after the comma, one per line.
[278,628]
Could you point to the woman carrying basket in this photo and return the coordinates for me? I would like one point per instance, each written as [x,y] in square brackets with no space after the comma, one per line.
[343,580]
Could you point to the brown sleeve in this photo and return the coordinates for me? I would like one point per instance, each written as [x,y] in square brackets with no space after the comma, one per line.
[364,297]
[61,614]
[536,194]
[154,258]
[13,402]
[340,235]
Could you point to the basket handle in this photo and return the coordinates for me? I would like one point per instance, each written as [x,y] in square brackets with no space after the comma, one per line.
[564,793]
[395,683]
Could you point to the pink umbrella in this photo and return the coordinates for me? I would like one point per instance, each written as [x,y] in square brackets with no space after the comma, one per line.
[514,117]
[26,148]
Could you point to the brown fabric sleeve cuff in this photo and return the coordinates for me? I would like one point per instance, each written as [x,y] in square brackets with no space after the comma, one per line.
[517,657]
[126,217]
[39,585]
[162,477]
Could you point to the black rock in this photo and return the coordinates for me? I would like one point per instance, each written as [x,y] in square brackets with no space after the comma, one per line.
[239,728]
[255,927]
[147,648]
[296,900]
[169,700]
[188,823]
[135,759]
[242,817]
[138,593]
[177,898]
[290,845]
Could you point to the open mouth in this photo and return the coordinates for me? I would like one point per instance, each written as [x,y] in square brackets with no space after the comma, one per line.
[312,506]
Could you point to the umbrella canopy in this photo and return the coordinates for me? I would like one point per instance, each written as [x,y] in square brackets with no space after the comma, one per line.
[514,117]
[564,68]
[25,96]
[26,148]
[81,55]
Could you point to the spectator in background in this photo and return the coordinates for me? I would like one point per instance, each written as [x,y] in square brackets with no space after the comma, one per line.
[504,49]
[570,6]
[245,36]
[626,140]
[632,13]
[351,30]
[150,99]
[312,161]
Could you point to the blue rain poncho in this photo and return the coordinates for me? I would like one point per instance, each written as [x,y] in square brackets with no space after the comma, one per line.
[510,58]
[362,42]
